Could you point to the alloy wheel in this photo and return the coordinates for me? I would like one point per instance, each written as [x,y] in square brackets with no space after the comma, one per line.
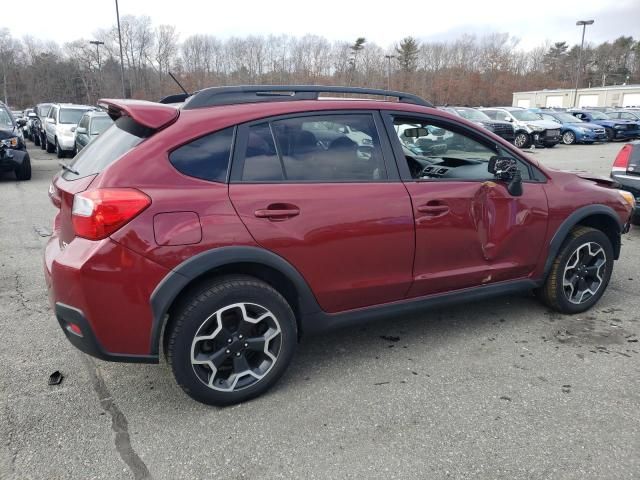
[568,138]
[521,140]
[584,272]
[236,346]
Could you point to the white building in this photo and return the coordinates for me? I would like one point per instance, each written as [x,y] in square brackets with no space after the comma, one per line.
[612,96]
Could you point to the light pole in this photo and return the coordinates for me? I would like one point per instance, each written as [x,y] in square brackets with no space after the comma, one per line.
[389,57]
[124,92]
[584,24]
[97,43]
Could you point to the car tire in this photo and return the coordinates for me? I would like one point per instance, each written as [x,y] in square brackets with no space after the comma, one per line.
[243,325]
[522,140]
[611,135]
[58,150]
[582,268]
[43,142]
[568,137]
[23,172]
[49,147]
[36,140]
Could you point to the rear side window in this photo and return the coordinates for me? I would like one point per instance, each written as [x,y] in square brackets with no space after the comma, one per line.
[104,150]
[206,157]
[323,148]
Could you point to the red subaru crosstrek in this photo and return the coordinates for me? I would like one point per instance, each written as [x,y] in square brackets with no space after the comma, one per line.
[222,230]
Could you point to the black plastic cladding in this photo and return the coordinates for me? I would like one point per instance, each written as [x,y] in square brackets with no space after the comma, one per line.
[216,96]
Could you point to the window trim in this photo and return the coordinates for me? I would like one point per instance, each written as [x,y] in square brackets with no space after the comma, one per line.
[237,163]
[536,176]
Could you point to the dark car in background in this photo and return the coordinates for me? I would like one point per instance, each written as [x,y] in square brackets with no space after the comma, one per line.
[572,129]
[632,115]
[626,171]
[501,128]
[615,129]
[92,124]
[39,137]
[13,152]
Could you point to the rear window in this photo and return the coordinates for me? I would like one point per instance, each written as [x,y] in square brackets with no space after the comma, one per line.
[104,150]
[206,157]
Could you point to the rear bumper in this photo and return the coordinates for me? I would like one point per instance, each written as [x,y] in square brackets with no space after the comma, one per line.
[630,183]
[104,289]
[85,340]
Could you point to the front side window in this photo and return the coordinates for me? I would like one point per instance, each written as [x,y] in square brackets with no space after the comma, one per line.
[5,118]
[524,115]
[206,157]
[436,153]
[322,148]
[492,114]
[100,124]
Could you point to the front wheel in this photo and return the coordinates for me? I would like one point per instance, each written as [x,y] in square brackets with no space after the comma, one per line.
[231,341]
[23,172]
[580,272]
[59,151]
[50,147]
[36,139]
[568,138]
[611,135]
[522,140]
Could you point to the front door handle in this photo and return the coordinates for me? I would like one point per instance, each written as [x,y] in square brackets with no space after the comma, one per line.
[433,210]
[277,212]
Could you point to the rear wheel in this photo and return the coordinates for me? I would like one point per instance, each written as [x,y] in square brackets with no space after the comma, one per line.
[231,341]
[23,172]
[522,140]
[568,137]
[36,139]
[580,273]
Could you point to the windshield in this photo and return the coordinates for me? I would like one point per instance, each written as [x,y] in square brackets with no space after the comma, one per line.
[100,124]
[524,116]
[43,110]
[102,151]
[567,118]
[599,116]
[5,118]
[472,114]
[71,115]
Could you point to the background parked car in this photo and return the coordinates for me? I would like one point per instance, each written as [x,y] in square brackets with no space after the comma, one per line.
[529,128]
[27,130]
[572,129]
[60,125]
[92,124]
[502,128]
[626,171]
[13,153]
[615,129]
[633,115]
[42,110]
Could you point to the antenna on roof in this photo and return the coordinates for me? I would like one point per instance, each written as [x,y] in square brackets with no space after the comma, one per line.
[179,84]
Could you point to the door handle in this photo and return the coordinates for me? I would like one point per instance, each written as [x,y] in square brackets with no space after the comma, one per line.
[280,212]
[433,209]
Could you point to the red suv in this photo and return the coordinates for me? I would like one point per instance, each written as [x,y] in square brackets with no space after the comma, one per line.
[223,230]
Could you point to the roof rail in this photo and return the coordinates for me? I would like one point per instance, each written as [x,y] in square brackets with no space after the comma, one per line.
[215,96]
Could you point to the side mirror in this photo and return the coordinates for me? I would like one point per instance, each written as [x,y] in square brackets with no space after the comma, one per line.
[506,169]
[80,130]
[50,120]
[508,119]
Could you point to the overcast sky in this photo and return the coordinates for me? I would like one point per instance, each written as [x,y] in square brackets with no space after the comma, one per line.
[534,22]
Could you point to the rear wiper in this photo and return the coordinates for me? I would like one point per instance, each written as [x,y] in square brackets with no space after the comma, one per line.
[68,168]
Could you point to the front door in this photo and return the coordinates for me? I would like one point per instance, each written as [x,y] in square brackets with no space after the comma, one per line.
[469,230]
[320,191]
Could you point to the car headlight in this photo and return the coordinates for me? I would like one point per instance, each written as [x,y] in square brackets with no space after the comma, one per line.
[628,197]
[535,128]
[10,142]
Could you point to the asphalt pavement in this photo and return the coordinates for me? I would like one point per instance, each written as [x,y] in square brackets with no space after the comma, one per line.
[498,389]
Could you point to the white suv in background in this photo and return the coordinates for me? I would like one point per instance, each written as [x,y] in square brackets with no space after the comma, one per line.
[530,128]
[60,125]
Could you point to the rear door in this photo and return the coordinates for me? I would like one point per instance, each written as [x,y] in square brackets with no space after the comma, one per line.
[332,205]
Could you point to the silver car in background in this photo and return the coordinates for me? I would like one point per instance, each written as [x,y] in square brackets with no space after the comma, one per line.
[60,125]
[92,124]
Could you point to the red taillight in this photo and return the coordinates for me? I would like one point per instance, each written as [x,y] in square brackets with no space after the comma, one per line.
[623,157]
[54,195]
[96,214]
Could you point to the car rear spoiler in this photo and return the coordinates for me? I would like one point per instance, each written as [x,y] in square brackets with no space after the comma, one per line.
[151,115]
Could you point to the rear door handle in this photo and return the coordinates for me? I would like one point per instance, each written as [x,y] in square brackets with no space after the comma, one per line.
[279,213]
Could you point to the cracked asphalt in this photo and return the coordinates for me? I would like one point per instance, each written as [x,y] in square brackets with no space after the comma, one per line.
[499,389]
